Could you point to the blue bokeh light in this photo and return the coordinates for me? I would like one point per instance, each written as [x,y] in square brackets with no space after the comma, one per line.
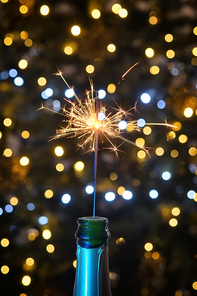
[9,208]
[89,189]
[127,195]
[66,198]
[141,122]
[42,220]
[153,193]
[101,116]
[145,98]
[18,81]
[30,206]
[69,93]
[110,196]
[166,175]
[122,125]
[1,211]
[191,194]
[13,73]
[161,104]
[101,94]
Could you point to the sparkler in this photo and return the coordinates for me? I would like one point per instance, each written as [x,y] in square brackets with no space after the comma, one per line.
[90,122]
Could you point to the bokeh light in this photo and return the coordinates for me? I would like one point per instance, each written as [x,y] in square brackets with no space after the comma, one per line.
[59,151]
[110,196]
[44,10]
[76,30]
[66,198]
[148,246]
[96,13]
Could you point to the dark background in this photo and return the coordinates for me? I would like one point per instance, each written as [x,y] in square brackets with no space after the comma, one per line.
[139,220]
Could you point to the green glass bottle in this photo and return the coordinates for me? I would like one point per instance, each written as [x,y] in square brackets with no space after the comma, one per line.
[92,270]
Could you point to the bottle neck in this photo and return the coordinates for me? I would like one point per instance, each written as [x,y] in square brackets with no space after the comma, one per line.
[92,271]
[92,232]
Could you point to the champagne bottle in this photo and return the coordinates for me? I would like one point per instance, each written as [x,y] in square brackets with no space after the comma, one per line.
[92,270]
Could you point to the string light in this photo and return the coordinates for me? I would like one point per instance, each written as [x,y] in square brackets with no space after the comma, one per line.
[26,280]
[111,88]
[123,13]
[170,54]
[42,81]
[24,161]
[23,64]
[48,193]
[173,222]
[46,234]
[23,9]
[25,134]
[79,166]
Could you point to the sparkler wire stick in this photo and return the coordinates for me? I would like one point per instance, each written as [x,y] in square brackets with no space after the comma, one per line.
[95,152]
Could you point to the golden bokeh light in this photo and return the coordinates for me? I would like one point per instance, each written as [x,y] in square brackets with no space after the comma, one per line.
[4,1]
[188,112]
[154,70]
[75,30]
[68,50]
[75,263]
[111,88]
[113,176]
[147,130]
[50,248]
[168,37]
[13,200]
[25,134]
[173,222]
[120,190]
[170,54]
[149,52]
[178,293]
[147,255]
[5,269]
[96,13]
[141,154]
[111,47]
[33,233]
[23,9]
[194,51]
[123,13]
[195,30]
[26,280]
[177,126]
[24,35]
[194,285]
[59,167]
[148,246]
[116,8]
[7,152]
[44,10]
[159,151]
[176,211]
[28,42]
[8,41]
[48,193]
[182,139]
[192,151]
[120,241]
[23,64]
[136,182]
[29,261]
[170,136]
[153,20]
[46,234]
[42,81]
[79,166]
[59,151]
[89,69]
[140,142]
[7,122]
[24,161]
[5,242]
[155,255]
[174,153]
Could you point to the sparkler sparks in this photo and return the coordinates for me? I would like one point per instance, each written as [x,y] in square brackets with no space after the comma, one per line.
[90,123]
